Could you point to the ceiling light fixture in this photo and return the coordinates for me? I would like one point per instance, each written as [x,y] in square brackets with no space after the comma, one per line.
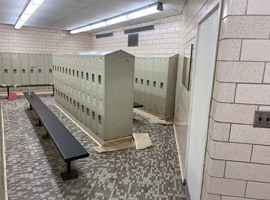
[131,15]
[29,10]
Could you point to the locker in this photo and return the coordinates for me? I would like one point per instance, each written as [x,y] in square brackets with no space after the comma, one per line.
[155,85]
[143,81]
[16,72]
[83,115]
[149,85]
[1,72]
[40,70]
[137,77]
[7,73]
[33,68]
[105,105]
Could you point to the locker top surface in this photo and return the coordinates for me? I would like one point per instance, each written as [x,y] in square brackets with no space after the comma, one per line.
[95,53]
[156,55]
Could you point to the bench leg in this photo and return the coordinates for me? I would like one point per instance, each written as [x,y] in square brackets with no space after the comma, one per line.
[30,107]
[69,174]
[39,123]
[45,137]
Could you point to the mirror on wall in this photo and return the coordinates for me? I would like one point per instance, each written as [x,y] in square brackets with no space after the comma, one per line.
[187,66]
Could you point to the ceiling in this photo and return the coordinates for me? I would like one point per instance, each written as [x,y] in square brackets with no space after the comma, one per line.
[71,14]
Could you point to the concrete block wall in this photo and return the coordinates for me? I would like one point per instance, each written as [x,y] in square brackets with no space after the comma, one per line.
[41,40]
[237,159]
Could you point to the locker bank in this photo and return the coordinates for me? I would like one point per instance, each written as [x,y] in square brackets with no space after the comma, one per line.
[190,78]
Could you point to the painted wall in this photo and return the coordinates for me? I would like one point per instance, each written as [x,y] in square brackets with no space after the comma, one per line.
[41,40]
[237,161]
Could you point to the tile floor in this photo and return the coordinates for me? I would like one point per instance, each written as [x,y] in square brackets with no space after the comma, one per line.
[34,164]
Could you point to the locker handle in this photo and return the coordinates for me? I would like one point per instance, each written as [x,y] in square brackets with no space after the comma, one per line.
[50,71]
[69,72]
[93,77]
[82,75]
[161,85]
[23,70]
[6,70]
[99,79]
[93,115]
[77,74]
[87,76]
[87,110]
[142,81]
[136,80]
[154,84]
[83,108]
[99,119]
[39,70]
[32,71]
[15,71]
[74,103]
[73,72]
[78,106]
[148,82]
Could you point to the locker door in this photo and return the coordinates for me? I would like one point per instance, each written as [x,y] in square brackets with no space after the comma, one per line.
[7,69]
[40,70]
[137,80]
[16,75]
[1,72]
[33,68]
[143,81]
[149,81]
[100,118]
[49,69]
[155,85]
[94,75]
[101,77]
[88,74]
[163,78]
[94,114]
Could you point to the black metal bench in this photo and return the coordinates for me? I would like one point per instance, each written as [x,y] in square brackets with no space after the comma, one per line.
[31,85]
[137,105]
[67,145]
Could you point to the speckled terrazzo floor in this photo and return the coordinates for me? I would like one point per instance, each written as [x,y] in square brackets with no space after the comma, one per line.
[34,164]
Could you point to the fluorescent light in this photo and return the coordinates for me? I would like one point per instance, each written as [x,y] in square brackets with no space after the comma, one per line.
[30,9]
[143,12]
[98,25]
[116,20]
[24,17]
[75,31]
[86,28]
[37,1]
[154,8]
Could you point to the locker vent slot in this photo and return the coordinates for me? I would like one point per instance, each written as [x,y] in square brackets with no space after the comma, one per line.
[87,111]
[148,82]
[6,70]
[142,81]
[161,85]
[83,108]
[82,75]
[136,80]
[23,70]
[93,115]
[99,119]
[99,79]
[104,35]
[15,71]
[32,71]
[77,74]
[87,76]
[154,84]
[39,70]
[133,40]
[93,77]
[50,70]
[139,29]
